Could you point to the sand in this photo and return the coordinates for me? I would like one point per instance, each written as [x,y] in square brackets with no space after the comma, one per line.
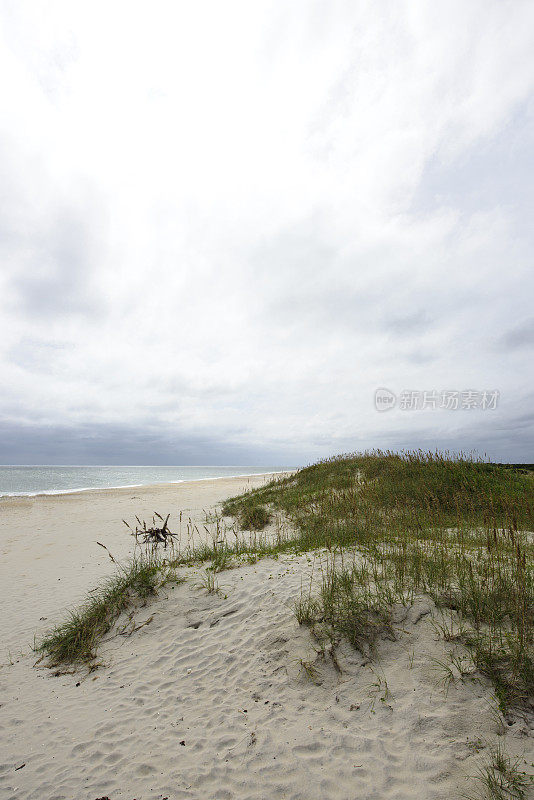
[220,696]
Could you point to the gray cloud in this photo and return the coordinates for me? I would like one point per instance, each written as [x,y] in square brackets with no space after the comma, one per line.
[56,266]
[508,441]
[121,444]
[405,325]
[518,338]
[219,251]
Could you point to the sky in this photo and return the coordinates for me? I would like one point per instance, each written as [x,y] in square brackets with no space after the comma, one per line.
[224,226]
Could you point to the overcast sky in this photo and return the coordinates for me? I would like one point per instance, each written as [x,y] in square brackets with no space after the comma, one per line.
[224,225]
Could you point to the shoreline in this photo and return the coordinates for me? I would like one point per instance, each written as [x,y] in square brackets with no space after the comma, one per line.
[83,489]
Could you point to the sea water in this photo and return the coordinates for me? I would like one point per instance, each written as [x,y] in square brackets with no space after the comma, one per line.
[33,480]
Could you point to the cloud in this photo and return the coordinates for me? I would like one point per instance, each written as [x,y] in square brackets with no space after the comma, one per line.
[121,444]
[518,338]
[417,321]
[54,274]
[229,225]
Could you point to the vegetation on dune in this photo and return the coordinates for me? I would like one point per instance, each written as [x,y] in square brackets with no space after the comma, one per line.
[501,778]
[252,516]
[454,528]
[393,525]
[76,639]
[415,481]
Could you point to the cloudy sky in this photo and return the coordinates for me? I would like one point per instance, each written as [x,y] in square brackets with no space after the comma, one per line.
[223,226]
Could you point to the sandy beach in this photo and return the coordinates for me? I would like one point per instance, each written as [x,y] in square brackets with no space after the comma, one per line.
[50,556]
[217,696]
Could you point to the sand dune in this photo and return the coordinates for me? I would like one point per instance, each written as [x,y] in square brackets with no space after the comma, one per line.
[224,695]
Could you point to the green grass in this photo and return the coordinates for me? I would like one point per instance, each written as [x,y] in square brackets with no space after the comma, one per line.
[454,528]
[75,641]
[252,516]
[501,778]
[394,525]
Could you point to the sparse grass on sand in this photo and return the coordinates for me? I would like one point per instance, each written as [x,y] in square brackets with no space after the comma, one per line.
[76,639]
[501,778]
[393,525]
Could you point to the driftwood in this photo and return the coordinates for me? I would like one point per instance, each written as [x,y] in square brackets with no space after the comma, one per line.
[154,535]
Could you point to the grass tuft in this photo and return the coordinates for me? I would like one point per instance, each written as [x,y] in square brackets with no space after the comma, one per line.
[252,515]
[75,640]
[501,778]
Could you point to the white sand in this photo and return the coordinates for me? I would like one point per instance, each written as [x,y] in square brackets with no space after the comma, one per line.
[210,699]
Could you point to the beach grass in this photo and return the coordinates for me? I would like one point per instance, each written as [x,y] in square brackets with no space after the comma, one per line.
[76,639]
[501,778]
[393,526]
[455,528]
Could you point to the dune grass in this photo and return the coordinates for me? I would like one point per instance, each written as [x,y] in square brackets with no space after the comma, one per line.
[500,778]
[397,525]
[393,525]
[76,640]
[252,516]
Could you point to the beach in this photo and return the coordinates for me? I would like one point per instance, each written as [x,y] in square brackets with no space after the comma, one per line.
[217,695]
[49,552]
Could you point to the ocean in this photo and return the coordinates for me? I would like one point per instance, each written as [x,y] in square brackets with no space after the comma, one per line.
[33,480]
